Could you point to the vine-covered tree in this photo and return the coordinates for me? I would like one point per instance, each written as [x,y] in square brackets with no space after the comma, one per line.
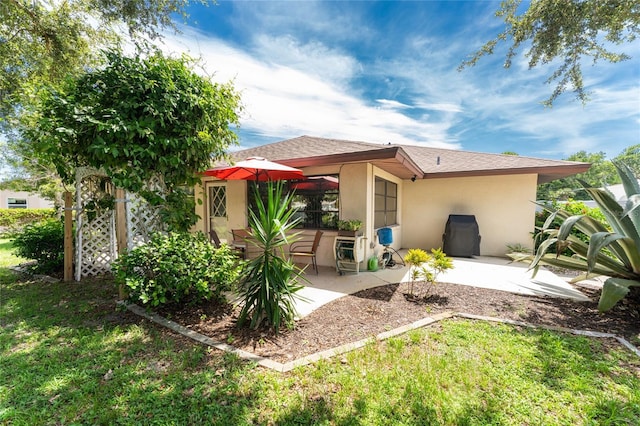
[567,31]
[136,119]
[42,42]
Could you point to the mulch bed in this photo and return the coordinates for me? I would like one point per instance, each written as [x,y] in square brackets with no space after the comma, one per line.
[370,312]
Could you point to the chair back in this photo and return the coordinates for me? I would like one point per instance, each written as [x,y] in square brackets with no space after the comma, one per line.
[240,234]
[316,241]
[213,237]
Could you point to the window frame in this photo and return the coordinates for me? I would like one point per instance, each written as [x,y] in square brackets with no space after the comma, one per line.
[389,208]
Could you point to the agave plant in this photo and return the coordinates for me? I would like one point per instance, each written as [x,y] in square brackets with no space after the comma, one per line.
[613,252]
[268,283]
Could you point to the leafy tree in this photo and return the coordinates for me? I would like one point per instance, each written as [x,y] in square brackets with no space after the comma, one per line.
[568,31]
[631,157]
[601,173]
[136,119]
[43,41]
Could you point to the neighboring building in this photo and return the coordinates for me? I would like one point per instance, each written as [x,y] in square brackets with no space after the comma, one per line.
[22,200]
[410,189]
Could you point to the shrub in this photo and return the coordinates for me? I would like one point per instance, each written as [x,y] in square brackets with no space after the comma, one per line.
[16,217]
[611,249]
[572,208]
[269,283]
[176,268]
[43,242]
[425,268]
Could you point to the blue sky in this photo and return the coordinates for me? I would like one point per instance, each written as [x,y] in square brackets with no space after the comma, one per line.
[386,72]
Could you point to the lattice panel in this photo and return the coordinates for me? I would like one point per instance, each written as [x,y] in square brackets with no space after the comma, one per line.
[143,219]
[95,227]
[96,243]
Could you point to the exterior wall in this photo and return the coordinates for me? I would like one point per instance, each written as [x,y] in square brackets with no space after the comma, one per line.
[34,201]
[502,206]
[236,206]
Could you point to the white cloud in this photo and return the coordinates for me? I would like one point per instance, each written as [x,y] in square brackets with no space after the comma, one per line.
[283,101]
[297,77]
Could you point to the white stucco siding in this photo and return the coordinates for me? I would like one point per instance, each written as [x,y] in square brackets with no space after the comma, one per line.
[236,206]
[502,206]
[33,200]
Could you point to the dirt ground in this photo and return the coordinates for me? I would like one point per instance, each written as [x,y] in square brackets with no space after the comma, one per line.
[370,312]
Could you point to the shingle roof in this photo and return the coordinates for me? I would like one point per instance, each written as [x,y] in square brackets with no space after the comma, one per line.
[406,161]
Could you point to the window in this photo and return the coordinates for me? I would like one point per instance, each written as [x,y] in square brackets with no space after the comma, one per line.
[316,200]
[385,204]
[16,203]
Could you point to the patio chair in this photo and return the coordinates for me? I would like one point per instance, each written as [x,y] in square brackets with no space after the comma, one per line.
[239,242]
[213,237]
[306,249]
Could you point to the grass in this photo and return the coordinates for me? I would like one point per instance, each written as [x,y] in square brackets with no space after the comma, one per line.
[68,356]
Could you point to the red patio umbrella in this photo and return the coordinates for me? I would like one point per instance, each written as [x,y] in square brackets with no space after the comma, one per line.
[316,183]
[255,168]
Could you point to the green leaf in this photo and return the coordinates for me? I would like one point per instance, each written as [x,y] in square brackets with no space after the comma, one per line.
[614,290]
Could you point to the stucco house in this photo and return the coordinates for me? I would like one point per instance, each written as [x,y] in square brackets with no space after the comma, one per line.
[22,200]
[408,188]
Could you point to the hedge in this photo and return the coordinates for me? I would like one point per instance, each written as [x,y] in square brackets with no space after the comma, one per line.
[11,217]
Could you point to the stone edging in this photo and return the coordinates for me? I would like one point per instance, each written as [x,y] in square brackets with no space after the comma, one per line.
[23,269]
[329,353]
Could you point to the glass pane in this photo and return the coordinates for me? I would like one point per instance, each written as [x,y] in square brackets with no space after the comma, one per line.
[378,220]
[218,201]
[380,184]
[316,198]
[379,203]
[392,189]
[392,204]
[392,218]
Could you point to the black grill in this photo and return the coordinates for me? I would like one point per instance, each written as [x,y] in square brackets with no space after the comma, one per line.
[461,236]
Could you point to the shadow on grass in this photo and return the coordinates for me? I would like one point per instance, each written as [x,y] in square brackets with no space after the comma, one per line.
[71,357]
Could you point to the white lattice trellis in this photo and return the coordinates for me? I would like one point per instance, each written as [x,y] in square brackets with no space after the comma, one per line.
[96,237]
[143,219]
[95,231]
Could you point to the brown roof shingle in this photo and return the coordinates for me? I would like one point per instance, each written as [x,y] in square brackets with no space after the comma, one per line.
[406,161]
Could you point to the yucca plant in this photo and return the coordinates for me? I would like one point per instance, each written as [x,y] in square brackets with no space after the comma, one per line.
[613,252]
[268,283]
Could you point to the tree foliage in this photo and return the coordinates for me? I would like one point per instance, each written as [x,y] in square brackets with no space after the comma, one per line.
[565,32]
[601,173]
[43,41]
[136,119]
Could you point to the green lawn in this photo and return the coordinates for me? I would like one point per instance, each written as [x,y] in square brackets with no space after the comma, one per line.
[68,356]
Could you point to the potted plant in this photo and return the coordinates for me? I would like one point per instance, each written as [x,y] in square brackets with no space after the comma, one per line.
[349,227]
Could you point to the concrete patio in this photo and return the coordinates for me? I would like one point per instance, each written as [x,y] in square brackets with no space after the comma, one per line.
[486,272]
